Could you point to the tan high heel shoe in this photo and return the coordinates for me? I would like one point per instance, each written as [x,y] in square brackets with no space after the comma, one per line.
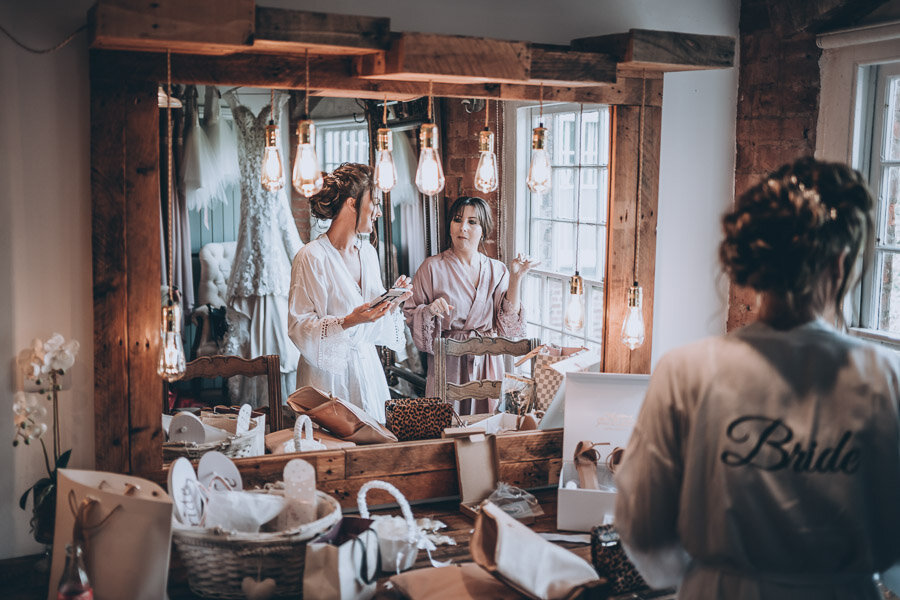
[587,458]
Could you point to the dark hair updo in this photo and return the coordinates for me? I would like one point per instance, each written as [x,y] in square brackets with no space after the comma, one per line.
[349,180]
[482,213]
[786,233]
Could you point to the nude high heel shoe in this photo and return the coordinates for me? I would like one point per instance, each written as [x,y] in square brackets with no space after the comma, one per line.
[587,458]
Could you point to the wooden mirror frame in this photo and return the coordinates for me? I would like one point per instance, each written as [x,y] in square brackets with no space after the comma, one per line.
[267,50]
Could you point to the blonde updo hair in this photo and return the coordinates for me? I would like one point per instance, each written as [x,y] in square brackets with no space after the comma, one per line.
[349,180]
[786,233]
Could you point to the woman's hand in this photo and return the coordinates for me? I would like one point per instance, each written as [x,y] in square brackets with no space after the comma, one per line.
[520,265]
[402,282]
[439,308]
[365,313]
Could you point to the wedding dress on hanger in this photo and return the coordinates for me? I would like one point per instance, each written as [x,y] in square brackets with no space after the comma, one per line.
[257,297]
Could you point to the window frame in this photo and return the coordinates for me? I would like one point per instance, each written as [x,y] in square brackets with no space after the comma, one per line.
[844,131]
[524,114]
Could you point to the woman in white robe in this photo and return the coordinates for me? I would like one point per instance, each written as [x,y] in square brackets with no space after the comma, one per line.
[766,463]
[333,282]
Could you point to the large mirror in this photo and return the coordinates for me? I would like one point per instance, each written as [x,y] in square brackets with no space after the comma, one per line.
[126,181]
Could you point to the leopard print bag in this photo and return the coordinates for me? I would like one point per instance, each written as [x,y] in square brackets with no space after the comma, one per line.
[418,418]
[611,562]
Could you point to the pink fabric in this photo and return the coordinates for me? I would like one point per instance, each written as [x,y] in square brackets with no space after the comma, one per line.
[482,310]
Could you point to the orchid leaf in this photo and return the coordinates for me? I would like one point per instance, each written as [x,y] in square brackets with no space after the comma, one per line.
[63,459]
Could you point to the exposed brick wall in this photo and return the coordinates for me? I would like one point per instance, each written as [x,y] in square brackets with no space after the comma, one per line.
[459,152]
[778,104]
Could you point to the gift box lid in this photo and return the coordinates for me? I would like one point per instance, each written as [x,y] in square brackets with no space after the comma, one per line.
[477,469]
[601,407]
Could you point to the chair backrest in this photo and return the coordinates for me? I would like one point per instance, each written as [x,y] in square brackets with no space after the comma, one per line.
[480,388]
[216,259]
[208,367]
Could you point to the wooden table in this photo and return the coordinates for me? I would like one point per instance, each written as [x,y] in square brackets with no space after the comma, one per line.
[23,578]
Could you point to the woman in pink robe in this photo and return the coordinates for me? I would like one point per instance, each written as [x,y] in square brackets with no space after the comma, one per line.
[461,293]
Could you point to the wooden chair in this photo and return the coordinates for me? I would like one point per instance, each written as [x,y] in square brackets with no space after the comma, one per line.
[210,367]
[481,388]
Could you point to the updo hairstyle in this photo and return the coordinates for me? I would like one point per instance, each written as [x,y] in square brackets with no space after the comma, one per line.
[482,213]
[349,180]
[786,233]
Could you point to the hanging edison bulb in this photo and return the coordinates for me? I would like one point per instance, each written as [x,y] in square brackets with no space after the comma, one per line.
[633,327]
[540,173]
[574,315]
[429,174]
[272,177]
[171,364]
[486,177]
[385,173]
[306,176]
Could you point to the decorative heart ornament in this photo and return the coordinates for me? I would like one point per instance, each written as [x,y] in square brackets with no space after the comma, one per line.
[258,590]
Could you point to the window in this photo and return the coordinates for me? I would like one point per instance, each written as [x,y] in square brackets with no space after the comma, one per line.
[566,228]
[340,141]
[879,133]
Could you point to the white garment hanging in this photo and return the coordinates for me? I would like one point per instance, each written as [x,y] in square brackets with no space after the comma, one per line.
[222,141]
[200,177]
[405,197]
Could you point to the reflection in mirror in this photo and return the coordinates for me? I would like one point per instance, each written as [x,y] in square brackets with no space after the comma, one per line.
[234,240]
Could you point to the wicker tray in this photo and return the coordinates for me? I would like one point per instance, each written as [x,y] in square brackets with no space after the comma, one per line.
[217,562]
[234,446]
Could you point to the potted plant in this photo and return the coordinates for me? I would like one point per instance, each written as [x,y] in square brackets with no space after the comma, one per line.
[43,365]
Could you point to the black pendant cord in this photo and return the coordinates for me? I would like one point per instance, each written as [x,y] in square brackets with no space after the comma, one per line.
[640,176]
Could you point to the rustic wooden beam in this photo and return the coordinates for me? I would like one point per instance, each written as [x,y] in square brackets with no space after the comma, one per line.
[448,59]
[790,18]
[663,51]
[197,27]
[111,418]
[623,219]
[561,65]
[292,31]
[142,181]
[329,76]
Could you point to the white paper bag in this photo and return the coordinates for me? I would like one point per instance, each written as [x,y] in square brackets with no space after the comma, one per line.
[342,564]
[128,533]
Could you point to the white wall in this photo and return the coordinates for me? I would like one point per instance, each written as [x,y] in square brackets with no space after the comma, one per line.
[45,180]
[45,233]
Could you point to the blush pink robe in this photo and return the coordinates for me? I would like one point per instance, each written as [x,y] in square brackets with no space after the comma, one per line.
[483,309]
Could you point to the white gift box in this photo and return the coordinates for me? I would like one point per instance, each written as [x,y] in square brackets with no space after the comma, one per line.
[602,408]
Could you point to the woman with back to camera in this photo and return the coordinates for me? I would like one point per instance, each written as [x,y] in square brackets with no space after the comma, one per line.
[461,293]
[334,280]
[765,463]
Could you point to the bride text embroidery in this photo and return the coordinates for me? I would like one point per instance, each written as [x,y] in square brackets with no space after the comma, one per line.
[766,444]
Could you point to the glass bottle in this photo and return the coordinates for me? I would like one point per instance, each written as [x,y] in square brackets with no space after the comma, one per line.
[74,583]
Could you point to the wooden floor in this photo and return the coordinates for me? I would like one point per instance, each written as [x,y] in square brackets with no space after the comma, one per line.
[21,579]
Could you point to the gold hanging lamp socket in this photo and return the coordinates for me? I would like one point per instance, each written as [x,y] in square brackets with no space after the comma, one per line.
[633,327]
[272,177]
[487,178]
[540,172]
[574,315]
[430,173]
[306,175]
[171,366]
[385,173]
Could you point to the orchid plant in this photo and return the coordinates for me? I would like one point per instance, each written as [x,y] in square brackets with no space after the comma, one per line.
[44,364]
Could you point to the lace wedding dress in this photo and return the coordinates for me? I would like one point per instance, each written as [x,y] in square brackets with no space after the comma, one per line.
[257,297]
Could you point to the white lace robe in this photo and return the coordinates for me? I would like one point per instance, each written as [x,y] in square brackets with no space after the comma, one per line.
[342,362]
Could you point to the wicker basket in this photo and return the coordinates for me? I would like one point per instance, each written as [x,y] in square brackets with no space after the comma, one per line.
[234,446]
[218,562]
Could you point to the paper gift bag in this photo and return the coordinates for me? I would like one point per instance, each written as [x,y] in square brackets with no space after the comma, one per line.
[127,526]
[547,380]
[523,559]
[342,564]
